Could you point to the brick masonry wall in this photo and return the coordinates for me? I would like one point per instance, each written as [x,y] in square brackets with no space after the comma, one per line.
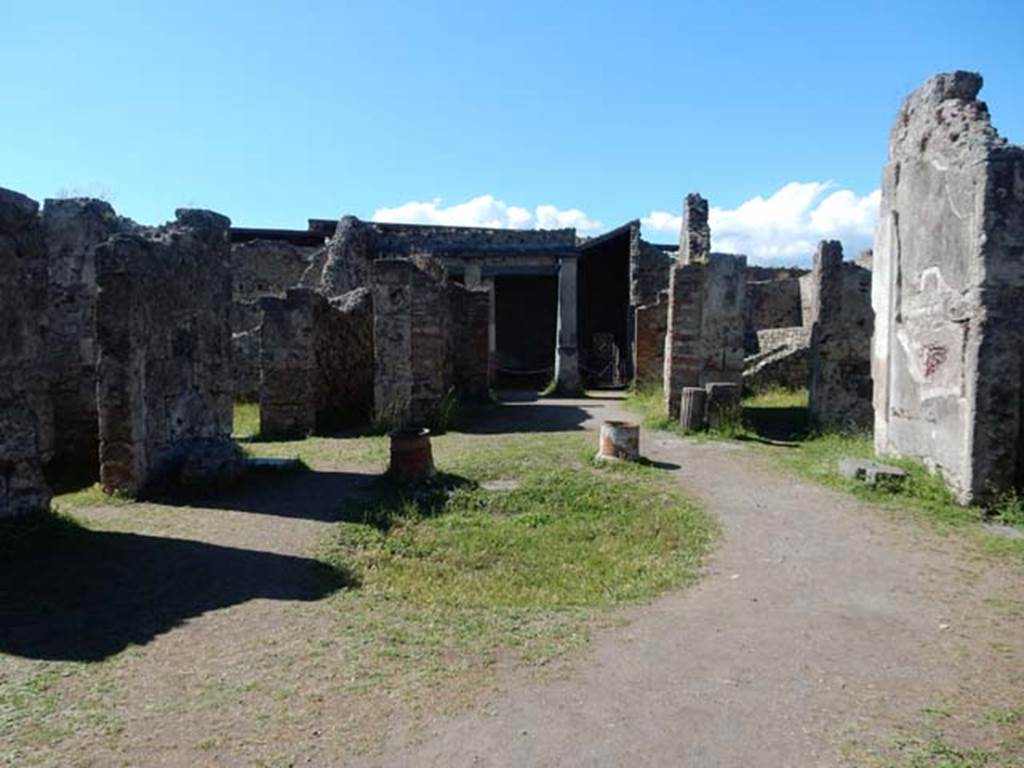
[649,344]
[163,328]
[704,340]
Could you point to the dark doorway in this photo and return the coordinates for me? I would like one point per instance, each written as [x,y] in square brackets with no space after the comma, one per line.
[604,309]
[525,317]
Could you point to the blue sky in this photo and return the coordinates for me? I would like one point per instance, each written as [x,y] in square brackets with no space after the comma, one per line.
[272,112]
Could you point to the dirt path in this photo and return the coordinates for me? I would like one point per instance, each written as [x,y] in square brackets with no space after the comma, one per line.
[820,621]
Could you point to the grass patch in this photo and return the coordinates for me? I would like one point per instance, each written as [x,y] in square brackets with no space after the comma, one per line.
[246,423]
[648,403]
[939,753]
[945,737]
[91,496]
[571,534]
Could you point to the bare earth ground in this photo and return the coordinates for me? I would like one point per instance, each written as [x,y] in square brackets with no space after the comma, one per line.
[822,631]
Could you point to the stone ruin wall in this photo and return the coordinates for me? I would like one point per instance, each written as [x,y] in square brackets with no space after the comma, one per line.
[470,340]
[650,272]
[948,290]
[357,244]
[397,240]
[840,386]
[771,304]
[163,331]
[259,269]
[782,363]
[344,355]
[336,354]
[287,387]
[316,361]
[704,342]
[26,418]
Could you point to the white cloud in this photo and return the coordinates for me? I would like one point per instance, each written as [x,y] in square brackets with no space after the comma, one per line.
[488,211]
[785,227]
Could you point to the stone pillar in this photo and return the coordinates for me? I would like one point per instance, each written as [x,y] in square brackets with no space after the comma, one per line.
[693,409]
[682,360]
[683,356]
[288,370]
[695,235]
[73,228]
[26,422]
[722,331]
[567,372]
[163,331]
[413,365]
[948,285]
[705,327]
[492,323]
[469,340]
[840,365]
[473,276]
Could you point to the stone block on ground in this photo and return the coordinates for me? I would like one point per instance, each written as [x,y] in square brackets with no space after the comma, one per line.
[724,408]
[871,472]
[214,463]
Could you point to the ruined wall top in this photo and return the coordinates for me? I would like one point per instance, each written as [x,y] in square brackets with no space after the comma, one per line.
[357,244]
[945,119]
[402,239]
[192,232]
[17,211]
[695,237]
[828,254]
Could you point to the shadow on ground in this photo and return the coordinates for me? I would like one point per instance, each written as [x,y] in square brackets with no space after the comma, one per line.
[388,501]
[86,595]
[776,426]
[523,411]
[300,493]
